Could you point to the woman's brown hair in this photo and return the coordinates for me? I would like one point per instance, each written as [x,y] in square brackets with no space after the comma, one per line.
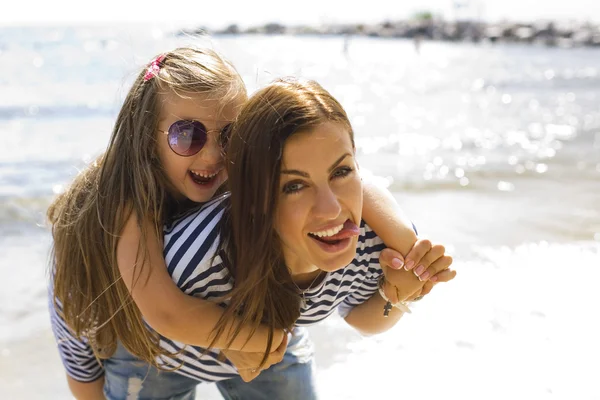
[263,291]
[126,180]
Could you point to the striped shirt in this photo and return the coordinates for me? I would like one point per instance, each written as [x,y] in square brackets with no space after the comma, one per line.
[190,247]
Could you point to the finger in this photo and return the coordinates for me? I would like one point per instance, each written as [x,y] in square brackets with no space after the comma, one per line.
[420,248]
[429,258]
[442,276]
[426,289]
[415,296]
[277,355]
[247,375]
[445,275]
[438,265]
[391,258]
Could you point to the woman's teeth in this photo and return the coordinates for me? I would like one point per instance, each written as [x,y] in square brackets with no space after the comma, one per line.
[328,232]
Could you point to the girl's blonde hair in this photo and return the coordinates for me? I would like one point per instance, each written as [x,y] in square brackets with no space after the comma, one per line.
[126,180]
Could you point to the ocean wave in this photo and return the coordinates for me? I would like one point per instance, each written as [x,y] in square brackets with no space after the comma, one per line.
[24,211]
[33,111]
[522,303]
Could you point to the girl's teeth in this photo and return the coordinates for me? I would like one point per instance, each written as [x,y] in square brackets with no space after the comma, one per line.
[328,232]
[202,175]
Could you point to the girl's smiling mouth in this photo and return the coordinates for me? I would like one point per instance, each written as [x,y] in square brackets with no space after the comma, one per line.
[204,178]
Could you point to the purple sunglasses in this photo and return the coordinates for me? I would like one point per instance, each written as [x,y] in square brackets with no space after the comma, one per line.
[187,138]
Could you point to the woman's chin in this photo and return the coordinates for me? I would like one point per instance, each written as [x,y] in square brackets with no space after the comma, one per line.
[340,260]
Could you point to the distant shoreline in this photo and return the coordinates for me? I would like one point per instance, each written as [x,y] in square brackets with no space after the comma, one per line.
[542,33]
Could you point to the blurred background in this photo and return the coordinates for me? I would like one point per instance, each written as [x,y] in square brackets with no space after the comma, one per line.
[481,117]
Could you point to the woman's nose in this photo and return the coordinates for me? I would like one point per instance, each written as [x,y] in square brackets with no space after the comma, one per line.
[326,204]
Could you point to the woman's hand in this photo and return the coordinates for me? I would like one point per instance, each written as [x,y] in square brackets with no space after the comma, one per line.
[248,363]
[429,266]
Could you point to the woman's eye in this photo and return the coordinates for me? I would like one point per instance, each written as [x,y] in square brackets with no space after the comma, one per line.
[292,187]
[342,172]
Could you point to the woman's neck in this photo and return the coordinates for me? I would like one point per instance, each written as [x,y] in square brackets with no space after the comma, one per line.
[307,280]
[303,273]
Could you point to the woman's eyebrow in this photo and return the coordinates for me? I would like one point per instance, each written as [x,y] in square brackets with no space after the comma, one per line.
[338,161]
[306,175]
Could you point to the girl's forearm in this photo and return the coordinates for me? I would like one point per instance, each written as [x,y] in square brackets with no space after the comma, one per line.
[167,309]
[383,214]
[191,320]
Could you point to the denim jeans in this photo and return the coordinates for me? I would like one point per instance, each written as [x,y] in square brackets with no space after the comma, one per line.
[128,378]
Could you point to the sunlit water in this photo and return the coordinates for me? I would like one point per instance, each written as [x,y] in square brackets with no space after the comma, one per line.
[492,150]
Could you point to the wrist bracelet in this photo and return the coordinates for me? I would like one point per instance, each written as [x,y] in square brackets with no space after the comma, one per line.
[401,305]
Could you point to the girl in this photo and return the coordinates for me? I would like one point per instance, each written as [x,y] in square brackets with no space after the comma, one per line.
[164,155]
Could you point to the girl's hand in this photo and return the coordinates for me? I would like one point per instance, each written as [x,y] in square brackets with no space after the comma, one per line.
[411,282]
[248,363]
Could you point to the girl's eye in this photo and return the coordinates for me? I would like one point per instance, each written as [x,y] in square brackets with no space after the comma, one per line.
[292,187]
[341,172]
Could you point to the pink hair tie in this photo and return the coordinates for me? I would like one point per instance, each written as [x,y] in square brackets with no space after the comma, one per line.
[154,68]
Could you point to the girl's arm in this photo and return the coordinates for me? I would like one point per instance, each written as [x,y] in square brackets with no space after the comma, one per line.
[383,214]
[166,308]
[87,390]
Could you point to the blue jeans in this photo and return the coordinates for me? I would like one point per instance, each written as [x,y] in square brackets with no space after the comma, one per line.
[128,378]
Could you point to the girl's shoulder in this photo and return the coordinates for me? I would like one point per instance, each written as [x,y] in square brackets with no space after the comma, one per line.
[191,242]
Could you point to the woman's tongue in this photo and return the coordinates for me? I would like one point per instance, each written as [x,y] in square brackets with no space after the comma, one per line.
[350,229]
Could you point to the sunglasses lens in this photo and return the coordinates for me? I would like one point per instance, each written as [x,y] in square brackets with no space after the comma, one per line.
[187,138]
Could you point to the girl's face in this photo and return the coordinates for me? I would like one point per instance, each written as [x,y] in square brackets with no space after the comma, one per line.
[320,200]
[196,177]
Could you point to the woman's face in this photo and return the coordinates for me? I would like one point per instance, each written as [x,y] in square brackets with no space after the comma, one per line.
[320,199]
[196,177]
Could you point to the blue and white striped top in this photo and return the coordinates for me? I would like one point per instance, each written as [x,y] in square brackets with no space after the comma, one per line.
[190,250]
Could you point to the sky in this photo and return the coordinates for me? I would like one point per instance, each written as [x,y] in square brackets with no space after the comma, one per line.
[218,14]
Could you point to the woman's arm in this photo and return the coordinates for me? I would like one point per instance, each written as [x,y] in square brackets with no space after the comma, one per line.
[166,308]
[368,318]
[87,390]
